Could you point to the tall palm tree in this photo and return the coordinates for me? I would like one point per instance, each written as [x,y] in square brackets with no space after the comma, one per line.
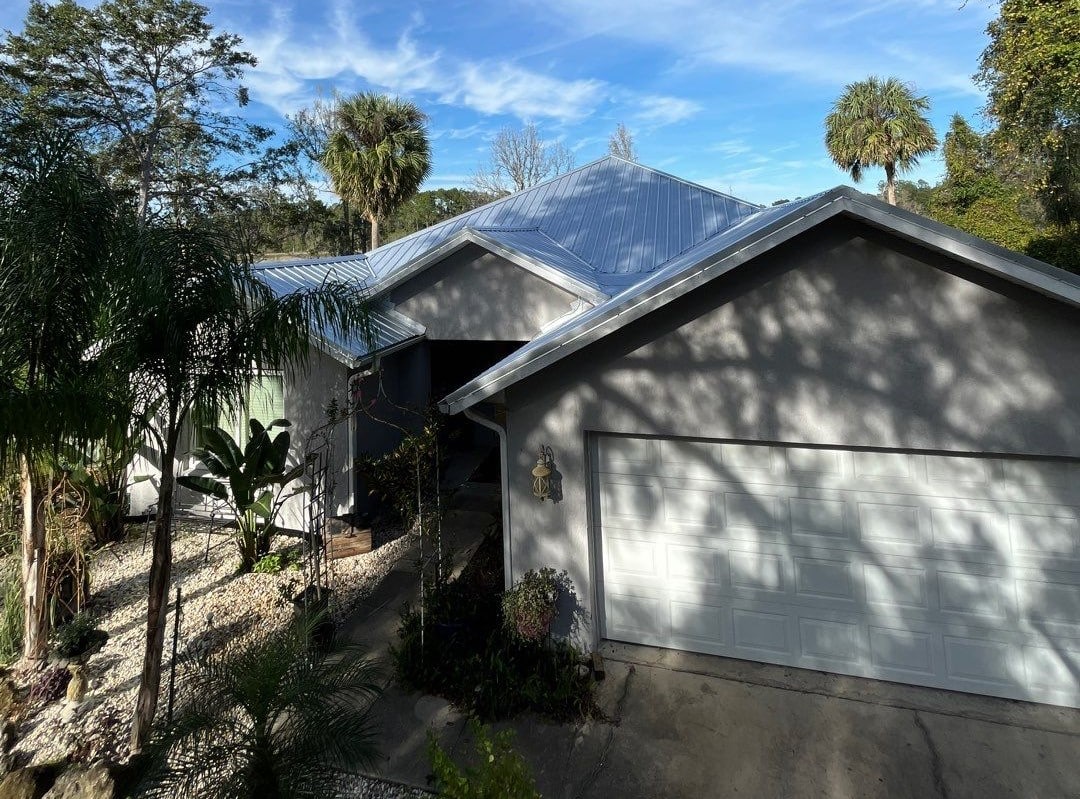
[57,220]
[879,122]
[378,154]
[193,325]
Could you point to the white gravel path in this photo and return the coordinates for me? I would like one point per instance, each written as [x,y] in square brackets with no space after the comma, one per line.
[217,605]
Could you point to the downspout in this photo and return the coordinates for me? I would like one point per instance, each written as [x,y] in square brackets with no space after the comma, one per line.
[504,463]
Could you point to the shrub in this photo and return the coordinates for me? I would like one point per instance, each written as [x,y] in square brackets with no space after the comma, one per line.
[270,718]
[473,658]
[50,686]
[278,562]
[529,608]
[78,637]
[11,614]
[392,477]
[499,773]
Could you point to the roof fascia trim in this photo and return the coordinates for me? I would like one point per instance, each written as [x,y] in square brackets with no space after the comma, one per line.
[950,242]
[736,254]
[839,201]
[468,236]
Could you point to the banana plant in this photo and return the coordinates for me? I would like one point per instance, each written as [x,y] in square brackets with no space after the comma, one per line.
[251,481]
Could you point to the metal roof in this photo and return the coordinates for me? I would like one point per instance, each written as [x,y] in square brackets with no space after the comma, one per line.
[593,231]
[609,217]
[736,245]
[389,328]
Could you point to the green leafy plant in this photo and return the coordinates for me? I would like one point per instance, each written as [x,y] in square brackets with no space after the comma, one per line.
[529,607]
[392,477]
[287,559]
[251,481]
[463,650]
[499,771]
[11,615]
[78,637]
[272,718]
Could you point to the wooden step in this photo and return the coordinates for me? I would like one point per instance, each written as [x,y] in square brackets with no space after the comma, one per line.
[348,543]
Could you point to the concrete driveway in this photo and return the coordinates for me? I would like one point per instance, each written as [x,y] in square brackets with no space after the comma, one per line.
[683,725]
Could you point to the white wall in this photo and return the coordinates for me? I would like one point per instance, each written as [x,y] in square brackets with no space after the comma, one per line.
[475,295]
[306,395]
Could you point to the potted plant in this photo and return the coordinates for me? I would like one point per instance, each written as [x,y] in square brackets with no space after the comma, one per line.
[531,605]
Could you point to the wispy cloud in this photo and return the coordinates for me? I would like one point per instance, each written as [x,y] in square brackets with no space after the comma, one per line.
[501,88]
[294,56]
[812,41]
[653,110]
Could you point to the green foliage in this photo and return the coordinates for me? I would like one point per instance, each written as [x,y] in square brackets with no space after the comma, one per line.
[1031,71]
[499,771]
[78,637]
[11,611]
[879,122]
[470,656]
[251,481]
[529,607]
[377,155]
[275,562]
[273,718]
[148,84]
[1058,245]
[431,207]
[57,226]
[392,477]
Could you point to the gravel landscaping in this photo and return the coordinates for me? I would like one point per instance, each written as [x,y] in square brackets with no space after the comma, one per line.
[217,606]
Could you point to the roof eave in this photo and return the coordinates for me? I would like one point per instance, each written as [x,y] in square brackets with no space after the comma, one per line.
[1014,267]
[467,236]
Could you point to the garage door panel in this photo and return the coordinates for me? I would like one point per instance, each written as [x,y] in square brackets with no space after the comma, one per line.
[949,571]
[902,653]
[823,578]
[974,596]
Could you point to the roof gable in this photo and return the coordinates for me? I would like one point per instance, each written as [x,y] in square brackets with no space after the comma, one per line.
[739,244]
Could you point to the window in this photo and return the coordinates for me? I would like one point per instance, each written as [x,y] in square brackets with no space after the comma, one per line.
[264,400]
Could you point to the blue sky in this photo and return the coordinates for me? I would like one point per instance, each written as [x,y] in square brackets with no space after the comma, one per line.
[729,94]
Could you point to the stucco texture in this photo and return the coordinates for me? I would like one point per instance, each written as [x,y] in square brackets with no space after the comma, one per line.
[844,336]
[479,296]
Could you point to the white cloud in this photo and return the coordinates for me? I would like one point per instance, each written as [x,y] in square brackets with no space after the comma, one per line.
[825,43]
[656,110]
[500,88]
[729,148]
[338,50]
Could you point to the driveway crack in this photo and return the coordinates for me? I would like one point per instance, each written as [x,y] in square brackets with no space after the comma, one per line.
[936,770]
[616,720]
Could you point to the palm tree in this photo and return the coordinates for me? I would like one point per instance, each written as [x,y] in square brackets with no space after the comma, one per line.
[57,220]
[193,325]
[275,718]
[378,154]
[879,123]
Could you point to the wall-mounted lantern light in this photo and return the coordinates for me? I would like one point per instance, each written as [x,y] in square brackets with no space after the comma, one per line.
[541,474]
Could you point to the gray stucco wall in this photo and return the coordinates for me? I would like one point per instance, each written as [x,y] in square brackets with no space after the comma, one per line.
[479,296]
[842,337]
[306,395]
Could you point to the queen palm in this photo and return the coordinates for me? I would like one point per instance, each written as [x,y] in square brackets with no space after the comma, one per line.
[192,324]
[57,220]
[378,154]
[879,122]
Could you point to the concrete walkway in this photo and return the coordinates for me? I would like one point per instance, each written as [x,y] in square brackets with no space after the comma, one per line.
[683,725]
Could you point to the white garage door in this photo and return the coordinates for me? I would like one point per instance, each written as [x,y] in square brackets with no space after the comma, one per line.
[948,571]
